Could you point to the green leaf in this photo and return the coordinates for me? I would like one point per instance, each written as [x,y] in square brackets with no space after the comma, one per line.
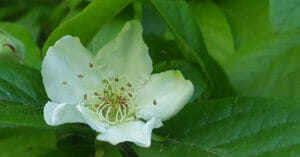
[215,29]
[78,151]
[25,142]
[32,55]
[154,35]
[110,30]
[268,68]
[22,114]
[30,21]
[189,71]
[231,127]
[249,20]
[21,84]
[86,24]
[76,140]
[178,17]
[285,14]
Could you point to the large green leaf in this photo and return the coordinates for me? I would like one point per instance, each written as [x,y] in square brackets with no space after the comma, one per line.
[25,142]
[178,17]
[32,56]
[160,41]
[21,84]
[215,29]
[285,14]
[268,68]
[21,114]
[231,127]
[249,20]
[86,24]
[110,30]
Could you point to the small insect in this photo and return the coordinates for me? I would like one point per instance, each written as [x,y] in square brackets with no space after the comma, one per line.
[65,83]
[116,79]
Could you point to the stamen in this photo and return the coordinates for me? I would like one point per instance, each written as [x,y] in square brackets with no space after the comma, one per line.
[114,103]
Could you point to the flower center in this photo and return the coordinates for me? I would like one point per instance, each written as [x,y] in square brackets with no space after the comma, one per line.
[113,103]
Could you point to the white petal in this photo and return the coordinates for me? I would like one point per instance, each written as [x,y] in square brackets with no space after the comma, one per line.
[133,131]
[127,55]
[66,71]
[56,114]
[92,119]
[169,90]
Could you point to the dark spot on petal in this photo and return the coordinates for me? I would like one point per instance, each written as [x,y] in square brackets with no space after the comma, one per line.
[65,83]
[80,76]
[154,102]
[91,65]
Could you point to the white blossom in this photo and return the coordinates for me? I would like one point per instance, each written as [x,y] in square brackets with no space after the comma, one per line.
[114,91]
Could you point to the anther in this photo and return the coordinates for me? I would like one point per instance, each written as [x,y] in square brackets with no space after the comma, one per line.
[134,117]
[85,97]
[91,65]
[154,102]
[80,76]
[116,79]
[105,91]
[130,94]
[96,94]
[65,83]
[122,88]
[128,84]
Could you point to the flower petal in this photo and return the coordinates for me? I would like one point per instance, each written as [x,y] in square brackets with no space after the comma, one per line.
[133,131]
[163,95]
[66,71]
[127,55]
[56,114]
[92,120]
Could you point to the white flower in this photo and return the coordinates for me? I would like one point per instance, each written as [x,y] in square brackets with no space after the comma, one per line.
[114,91]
